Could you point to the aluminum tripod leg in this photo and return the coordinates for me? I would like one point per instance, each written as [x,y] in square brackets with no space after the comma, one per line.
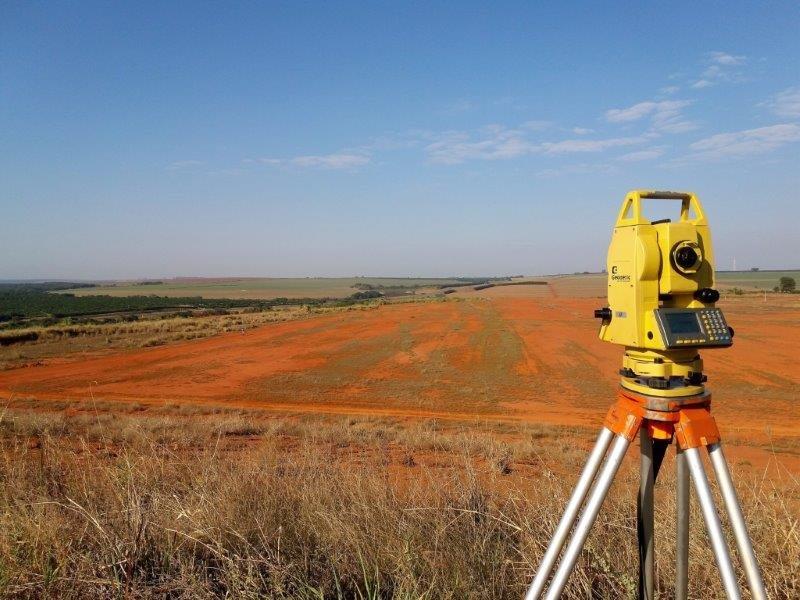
[645,516]
[682,529]
[743,543]
[652,454]
[713,525]
[593,504]
[570,514]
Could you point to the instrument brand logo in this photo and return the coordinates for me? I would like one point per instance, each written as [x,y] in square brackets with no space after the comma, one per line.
[617,277]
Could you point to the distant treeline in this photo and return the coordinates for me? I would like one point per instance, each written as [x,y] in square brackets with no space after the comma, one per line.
[25,301]
[26,304]
[46,286]
[397,289]
[480,281]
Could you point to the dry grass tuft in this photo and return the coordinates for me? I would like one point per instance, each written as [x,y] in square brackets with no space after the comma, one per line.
[236,505]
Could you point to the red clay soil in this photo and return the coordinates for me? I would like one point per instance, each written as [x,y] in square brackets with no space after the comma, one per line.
[532,358]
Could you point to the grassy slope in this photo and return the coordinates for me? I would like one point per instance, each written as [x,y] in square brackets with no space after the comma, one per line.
[312,287]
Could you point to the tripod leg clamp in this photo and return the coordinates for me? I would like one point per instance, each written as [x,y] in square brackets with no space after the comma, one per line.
[624,420]
[696,427]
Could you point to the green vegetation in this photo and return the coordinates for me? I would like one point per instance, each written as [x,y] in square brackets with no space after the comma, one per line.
[787,285]
[366,295]
[751,280]
[23,304]
[20,302]
[265,288]
[45,286]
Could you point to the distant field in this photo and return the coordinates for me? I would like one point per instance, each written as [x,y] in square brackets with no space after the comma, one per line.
[339,287]
[257,288]
[763,280]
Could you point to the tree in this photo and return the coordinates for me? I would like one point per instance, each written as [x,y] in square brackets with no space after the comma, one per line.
[787,284]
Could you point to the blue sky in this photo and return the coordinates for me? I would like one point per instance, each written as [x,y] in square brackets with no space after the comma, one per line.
[294,139]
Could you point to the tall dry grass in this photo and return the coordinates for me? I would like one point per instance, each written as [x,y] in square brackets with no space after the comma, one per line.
[21,346]
[96,506]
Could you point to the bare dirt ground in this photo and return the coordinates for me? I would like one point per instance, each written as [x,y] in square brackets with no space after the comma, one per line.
[521,353]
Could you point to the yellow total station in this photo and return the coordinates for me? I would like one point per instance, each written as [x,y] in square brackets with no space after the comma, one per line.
[661,296]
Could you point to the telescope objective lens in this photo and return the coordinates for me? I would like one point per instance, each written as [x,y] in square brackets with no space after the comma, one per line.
[686,257]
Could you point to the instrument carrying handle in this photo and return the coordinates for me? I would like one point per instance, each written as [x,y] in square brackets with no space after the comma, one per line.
[631,211]
[666,195]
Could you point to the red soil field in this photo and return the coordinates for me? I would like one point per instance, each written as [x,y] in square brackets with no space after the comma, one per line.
[505,357]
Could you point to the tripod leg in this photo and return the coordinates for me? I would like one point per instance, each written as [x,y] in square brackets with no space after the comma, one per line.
[598,494]
[746,554]
[645,516]
[652,454]
[682,534]
[570,514]
[713,525]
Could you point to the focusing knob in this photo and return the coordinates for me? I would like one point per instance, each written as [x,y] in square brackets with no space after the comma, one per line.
[603,313]
[706,295]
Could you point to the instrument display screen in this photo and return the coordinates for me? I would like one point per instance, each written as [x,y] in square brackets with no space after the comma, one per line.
[682,327]
[683,322]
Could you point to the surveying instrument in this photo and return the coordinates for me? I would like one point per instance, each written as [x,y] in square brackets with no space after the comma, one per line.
[661,307]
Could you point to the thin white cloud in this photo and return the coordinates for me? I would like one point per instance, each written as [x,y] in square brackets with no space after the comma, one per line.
[497,142]
[668,118]
[458,107]
[702,83]
[649,154]
[536,125]
[632,113]
[665,115]
[577,169]
[184,164]
[583,145]
[748,142]
[454,147]
[337,160]
[720,67]
[582,131]
[728,60]
[786,103]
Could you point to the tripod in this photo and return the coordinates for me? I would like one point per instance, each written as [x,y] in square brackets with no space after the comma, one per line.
[656,420]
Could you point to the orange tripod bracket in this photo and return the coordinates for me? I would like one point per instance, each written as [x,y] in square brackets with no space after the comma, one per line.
[696,427]
[689,418]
